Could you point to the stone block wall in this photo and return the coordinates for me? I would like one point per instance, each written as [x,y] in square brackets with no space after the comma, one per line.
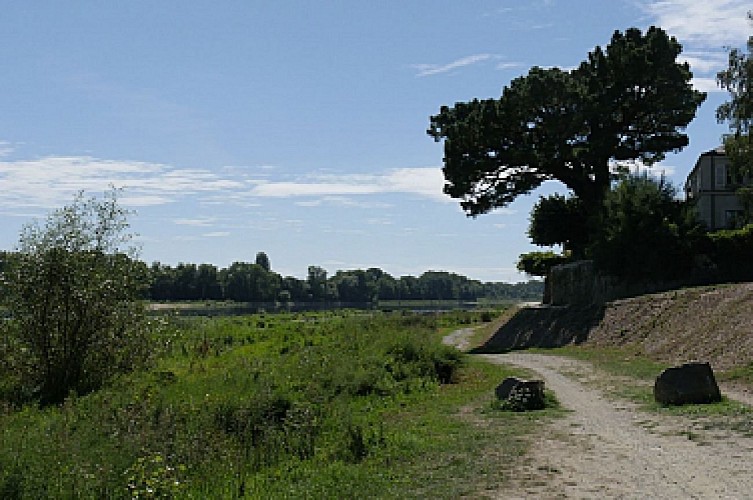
[580,284]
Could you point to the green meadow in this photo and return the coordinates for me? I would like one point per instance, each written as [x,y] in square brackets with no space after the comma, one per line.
[319,405]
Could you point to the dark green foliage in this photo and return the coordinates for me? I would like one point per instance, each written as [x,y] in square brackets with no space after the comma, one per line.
[557,220]
[631,100]
[731,250]
[74,301]
[245,282]
[645,232]
[539,263]
[737,79]
[356,286]
[745,195]
[263,261]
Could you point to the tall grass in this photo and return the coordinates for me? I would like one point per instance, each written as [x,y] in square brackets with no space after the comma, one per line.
[257,406]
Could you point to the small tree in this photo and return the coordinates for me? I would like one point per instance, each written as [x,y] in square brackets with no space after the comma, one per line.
[263,261]
[556,220]
[74,299]
[737,79]
[645,232]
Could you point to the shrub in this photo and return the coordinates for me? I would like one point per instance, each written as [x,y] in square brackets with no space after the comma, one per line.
[732,252]
[73,298]
[645,232]
[539,263]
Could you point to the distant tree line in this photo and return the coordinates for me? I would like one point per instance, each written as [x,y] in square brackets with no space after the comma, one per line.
[257,282]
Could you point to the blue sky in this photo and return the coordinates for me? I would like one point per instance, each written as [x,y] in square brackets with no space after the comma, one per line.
[297,128]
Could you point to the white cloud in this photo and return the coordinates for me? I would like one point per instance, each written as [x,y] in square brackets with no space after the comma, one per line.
[704,61]
[198,222]
[707,23]
[216,234]
[144,200]
[423,181]
[6,148]
[510,65]
[342,201]
[638,167]
[706,84]
[51,181]
[379,222]
[287,189]
[435,69]
[705,29]
[503,211]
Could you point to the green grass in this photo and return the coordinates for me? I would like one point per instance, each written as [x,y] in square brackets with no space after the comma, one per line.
[742,374]
[636,376]
[324,405]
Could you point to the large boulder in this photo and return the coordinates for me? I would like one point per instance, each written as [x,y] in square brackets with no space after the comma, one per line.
[521,395]
[503,390]
[690,383]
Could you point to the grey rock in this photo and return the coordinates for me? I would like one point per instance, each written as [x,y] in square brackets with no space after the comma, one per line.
[690,383]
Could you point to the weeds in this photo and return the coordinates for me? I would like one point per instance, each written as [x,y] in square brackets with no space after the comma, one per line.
[329,404]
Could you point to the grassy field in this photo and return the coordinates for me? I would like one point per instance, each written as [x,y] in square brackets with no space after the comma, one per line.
[326,405]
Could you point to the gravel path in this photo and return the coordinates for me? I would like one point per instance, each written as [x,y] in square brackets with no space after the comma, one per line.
[605,448]
[608,449]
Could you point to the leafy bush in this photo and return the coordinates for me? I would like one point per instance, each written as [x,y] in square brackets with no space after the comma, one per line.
[539,263]
[732,252]
[73,298]
[645,232]
[556,220]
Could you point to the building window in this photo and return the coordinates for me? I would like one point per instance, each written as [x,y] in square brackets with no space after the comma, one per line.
[738,179]
[721,176]
[734,219]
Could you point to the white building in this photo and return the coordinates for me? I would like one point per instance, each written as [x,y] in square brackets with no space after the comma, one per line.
[712,187]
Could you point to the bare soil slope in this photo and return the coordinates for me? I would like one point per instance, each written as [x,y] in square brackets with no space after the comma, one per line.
[712,324]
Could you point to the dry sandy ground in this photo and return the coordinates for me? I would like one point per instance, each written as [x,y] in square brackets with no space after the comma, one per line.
[607,448]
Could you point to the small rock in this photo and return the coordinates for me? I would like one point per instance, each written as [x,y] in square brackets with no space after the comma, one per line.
[690,383]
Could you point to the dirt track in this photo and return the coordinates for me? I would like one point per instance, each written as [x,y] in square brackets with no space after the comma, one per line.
[607,448]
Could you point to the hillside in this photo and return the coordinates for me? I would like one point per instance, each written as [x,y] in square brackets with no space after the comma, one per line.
[712,323]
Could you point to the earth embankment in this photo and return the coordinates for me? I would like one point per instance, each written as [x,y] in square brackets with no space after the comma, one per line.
[713,323]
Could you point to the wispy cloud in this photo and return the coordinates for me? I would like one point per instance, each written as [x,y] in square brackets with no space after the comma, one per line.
[41,184]
[423,181]
[706,84]
[51,181]
[509,65]
[708,23]
[705,28]
[705,61]
[638,167]
[197,222]
[436,69]
[6,148]
[342,201]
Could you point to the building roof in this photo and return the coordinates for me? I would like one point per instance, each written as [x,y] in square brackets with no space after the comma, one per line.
[717,151]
